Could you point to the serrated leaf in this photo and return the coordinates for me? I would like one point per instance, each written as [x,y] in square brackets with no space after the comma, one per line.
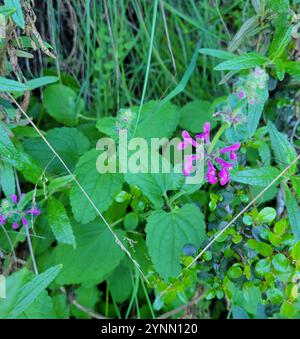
[244,61]
[256,176]
[167,233]
[68,142]
[95,256]
[59,222]
[101,188]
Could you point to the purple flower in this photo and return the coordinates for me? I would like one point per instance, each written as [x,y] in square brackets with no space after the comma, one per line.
[241,94]
[187,139]
[24,221]
[15,225]
[206,133]
[224,176]
[224,163]
[14,198]
[224,172]
[251,102]
[2,219]
[34,211]
[211,173]
[232,150]
[188,164]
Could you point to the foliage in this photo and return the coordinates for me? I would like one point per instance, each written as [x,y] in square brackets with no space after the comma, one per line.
[142,244]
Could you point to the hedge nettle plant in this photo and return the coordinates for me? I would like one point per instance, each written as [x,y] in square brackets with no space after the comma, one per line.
[250,265]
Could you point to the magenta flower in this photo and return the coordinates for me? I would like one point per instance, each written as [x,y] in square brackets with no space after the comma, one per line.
[231,149]
[187,139]
[2,219]
[24,221]
[15,225]
[224,176]
[206,133]
[241,94]
[14,198]
[34,211]
[224,172]
[188,164]
[211,173]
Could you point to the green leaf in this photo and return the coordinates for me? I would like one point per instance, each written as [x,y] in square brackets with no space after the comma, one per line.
[267,215]
[156,121]
[19,159]
[167,233]
[101,188]
[59,222]
[255,111]
[42,81]
[280,263]
[68,142]
[245,61]
[239,313]
[120,282]
[235,272]
[61,104]
[41,308]
[131,221]
[262,267]
[281,39]
[217,53]
[261,247]
[7,179]
[275,295]
[280,69]
[256,176]
[288,309]
[155,185]
[293,69]
[293,213]
[282,148]
[296,251]
[32,290]
[7,85]
[18,14]
[87,296]
[96,255]
[194,114]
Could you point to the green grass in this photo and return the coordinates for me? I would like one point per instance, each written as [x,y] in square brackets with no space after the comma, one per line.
[108,42]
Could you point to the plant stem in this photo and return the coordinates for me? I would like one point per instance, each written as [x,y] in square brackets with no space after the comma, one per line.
[217,137]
